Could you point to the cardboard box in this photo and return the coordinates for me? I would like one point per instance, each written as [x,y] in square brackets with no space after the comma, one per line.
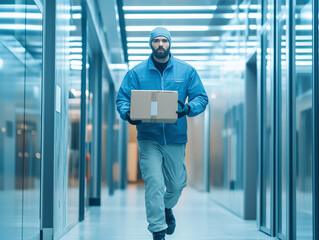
[154,106]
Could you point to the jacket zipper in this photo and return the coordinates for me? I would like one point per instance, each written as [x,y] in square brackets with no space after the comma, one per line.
[162,83]
[163,123]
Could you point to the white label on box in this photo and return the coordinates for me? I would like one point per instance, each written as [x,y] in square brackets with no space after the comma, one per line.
[153,108]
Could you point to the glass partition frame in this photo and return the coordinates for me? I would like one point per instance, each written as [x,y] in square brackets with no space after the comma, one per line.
[266,198]
[282,120]
[302,132]
[316,119]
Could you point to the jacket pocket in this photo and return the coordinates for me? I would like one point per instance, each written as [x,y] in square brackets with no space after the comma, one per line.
[175,84]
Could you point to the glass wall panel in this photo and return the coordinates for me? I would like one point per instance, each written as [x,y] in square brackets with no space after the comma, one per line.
[303,133]
[226,139]
[226,91]
[75,42]
[116,166]
[89,129]
[61,121]
[197,149]
[12,89]
[267,133]
[32,122]
[20,120]
[92,164]
[105,102]
[282,53]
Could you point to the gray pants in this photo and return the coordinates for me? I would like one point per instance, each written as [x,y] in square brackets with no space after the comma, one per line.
[161,166]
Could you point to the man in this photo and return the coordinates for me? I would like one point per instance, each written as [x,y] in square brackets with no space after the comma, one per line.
[162,146]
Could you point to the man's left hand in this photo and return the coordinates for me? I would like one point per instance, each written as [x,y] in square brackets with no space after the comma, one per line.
[184,111]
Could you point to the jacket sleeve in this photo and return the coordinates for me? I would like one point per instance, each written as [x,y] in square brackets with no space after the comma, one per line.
[123,99]
[197,96]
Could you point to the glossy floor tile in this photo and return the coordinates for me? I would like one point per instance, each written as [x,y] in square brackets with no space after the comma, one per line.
[123,217]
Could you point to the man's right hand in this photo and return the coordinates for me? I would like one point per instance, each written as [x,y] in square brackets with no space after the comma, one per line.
[133,122]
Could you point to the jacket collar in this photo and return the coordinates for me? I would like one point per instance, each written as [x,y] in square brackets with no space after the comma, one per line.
[169,64]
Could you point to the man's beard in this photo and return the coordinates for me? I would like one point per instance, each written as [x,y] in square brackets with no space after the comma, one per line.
[160,55]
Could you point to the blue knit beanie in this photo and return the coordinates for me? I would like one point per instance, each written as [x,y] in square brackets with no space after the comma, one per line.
[160,32]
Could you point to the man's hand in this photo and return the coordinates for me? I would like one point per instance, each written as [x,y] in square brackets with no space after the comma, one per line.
[184,111]
[133,122]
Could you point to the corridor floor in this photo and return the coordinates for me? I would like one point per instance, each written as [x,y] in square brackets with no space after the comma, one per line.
[122,217]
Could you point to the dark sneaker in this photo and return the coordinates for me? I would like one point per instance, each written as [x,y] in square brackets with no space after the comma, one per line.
[170,221]
[159,235]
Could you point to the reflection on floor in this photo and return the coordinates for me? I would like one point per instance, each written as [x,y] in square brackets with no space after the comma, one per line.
[122,217]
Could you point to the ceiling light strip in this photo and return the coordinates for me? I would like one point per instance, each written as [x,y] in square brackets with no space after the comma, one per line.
[177,39]
[20,15]
[169,28]
[174,44]
[179,51]
[186,28]
[17,6]
[169,16]
[20,27]
[202,63]
[168,8]
[185,58]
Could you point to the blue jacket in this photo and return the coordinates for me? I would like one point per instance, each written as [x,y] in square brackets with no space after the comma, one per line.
[178,76]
